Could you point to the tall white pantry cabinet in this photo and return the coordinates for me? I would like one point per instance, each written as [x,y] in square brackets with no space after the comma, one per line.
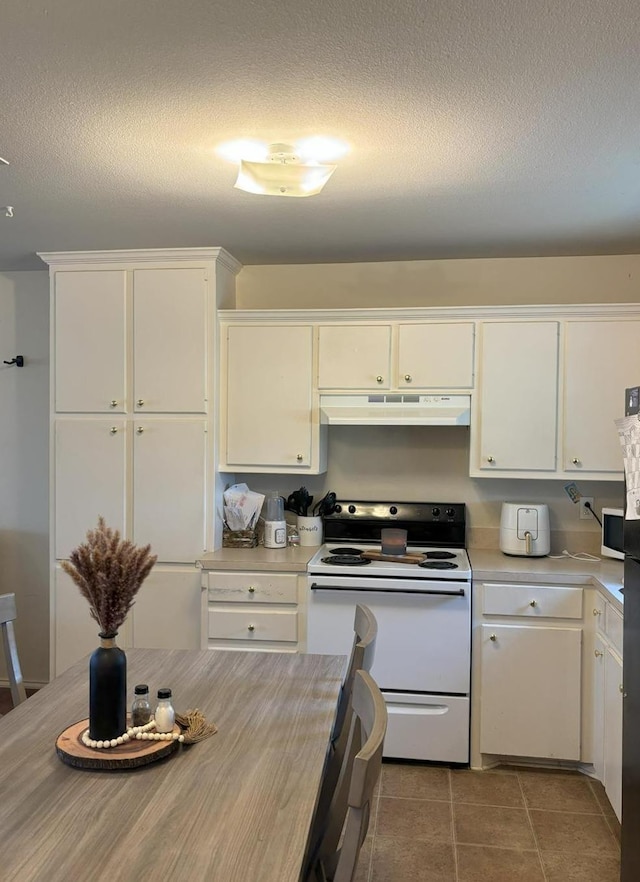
[133,416]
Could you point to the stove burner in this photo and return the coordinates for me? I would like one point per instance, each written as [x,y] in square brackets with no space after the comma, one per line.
[438,565]
[345,550]
[347,560]
[439,555]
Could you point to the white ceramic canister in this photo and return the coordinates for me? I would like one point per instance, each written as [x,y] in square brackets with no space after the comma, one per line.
[310,530]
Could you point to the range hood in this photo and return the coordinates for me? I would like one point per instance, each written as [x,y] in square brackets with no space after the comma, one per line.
[394,409]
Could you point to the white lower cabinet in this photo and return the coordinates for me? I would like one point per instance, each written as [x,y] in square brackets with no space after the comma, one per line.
[253,610]
[528,686]
[166,615]
[607,700]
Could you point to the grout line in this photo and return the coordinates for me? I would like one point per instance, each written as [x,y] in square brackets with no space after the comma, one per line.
[374,830]
[535,838]
[453,830]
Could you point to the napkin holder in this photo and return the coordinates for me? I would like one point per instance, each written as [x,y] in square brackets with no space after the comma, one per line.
[239,538]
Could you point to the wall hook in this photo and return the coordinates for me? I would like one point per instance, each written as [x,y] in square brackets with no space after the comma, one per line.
[18,361]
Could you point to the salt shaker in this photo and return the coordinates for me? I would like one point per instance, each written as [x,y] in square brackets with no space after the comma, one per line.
[140,708]
[165,715]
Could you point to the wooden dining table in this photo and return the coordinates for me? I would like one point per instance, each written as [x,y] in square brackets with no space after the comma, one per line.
[236,807]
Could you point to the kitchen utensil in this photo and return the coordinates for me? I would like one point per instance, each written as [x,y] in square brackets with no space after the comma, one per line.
[394,558]
[524,529]
[326,505]
[300,502]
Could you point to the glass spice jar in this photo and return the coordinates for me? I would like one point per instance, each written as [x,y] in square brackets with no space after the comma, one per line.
[141,706]
[165,715]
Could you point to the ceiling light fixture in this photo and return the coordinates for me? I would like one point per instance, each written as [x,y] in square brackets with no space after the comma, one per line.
[283,174]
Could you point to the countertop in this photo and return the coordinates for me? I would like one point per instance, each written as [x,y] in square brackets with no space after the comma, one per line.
[485,564]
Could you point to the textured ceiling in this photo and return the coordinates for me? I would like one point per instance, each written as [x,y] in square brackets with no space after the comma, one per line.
[477,127]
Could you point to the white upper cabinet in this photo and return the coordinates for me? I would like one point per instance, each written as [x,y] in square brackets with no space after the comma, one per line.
[354,357]
[169,469]
[170,340]
[601,360]
[270,422]
[90,341]
[515,415]
[435,355]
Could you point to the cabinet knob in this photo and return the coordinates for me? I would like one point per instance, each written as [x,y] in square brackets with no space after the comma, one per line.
[251,589]
[251,627]
[621,689]
[113,403]
[139,430]
[140,402]
[598,653]
[490,459]
[113,430]
[379,379]
[533,603]
[408,378]
[299,457]
[597,612]
[493,637]
[575,460]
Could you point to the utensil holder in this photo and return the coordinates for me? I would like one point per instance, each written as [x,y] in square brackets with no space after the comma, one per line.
[310,530]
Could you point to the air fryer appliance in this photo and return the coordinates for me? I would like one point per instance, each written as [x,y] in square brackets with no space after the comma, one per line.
[524,529]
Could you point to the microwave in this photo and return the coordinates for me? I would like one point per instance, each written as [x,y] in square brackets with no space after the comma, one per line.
[612,530]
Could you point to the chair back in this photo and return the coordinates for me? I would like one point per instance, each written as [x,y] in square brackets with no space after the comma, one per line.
[363,650]
[350,808]
[7,617]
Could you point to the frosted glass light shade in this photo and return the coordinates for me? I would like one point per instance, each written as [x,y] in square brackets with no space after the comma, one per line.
[283,178]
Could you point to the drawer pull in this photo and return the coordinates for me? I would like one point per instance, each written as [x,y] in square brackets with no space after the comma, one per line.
[575,460]
[490,459]
[113,403]
[113,430]
[597,612]
[379,379]
[598,653]
[251,627]
[251,589]
[407,378]
[493,637]
[533,603]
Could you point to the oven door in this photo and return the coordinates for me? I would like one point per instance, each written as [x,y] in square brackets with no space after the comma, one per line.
[424,629]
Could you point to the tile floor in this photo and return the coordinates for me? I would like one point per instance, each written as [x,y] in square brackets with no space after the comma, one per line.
[432,824]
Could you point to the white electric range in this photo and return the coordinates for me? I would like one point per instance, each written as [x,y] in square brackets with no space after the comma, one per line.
[423,650]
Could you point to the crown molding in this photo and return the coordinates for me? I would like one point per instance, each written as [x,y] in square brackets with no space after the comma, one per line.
[470,313]
[135,257]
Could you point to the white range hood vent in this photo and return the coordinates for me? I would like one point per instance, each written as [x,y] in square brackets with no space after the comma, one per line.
[394,409]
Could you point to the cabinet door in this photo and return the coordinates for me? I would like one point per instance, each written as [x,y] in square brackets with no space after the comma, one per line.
[518,396]
[90,466]
[438,355]
[90,335]
[613,730]
[75,632]
[354,357]
[531,691]
[601,360]
[167,613]
[169,487]
[170,340]
[269,396]
[600,648]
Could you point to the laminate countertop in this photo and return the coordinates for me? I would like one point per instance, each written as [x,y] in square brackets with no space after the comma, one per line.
[486,564]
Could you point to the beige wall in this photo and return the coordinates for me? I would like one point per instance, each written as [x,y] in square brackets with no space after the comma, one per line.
[24,463]
[499,281]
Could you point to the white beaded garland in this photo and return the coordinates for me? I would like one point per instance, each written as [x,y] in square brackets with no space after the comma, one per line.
[139,733]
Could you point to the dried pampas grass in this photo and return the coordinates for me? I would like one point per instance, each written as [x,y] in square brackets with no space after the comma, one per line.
[109,572]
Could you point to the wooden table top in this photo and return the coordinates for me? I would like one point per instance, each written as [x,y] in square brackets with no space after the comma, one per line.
[234,808]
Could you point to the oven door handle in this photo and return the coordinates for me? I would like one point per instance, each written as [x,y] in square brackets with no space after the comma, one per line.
[458,593]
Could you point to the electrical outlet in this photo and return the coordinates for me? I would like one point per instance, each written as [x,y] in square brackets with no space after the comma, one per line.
[585,514]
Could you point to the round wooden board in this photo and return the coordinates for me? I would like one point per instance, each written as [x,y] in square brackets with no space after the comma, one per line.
[131,755]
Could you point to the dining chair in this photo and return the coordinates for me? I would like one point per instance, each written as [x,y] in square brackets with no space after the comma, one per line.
[363,650]
[348,818]
[7,617]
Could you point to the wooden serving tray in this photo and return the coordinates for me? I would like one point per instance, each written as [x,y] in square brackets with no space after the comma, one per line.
[131,755]
[394,558]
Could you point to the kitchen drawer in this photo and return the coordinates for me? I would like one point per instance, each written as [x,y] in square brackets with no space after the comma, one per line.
[437,723]
[532,601]
[253,624]
[613,627]
[253,587]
